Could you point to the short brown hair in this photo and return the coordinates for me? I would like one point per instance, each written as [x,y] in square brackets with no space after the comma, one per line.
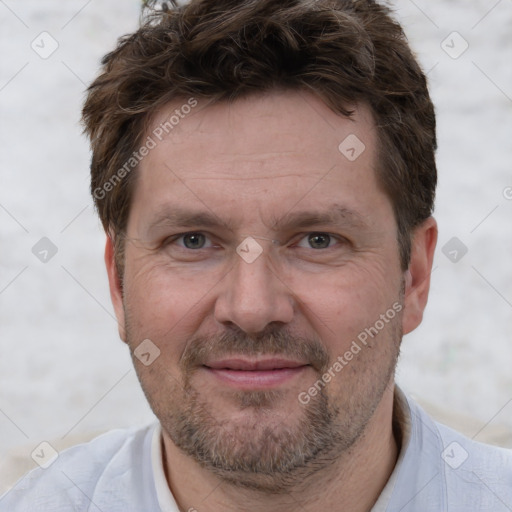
[344,51]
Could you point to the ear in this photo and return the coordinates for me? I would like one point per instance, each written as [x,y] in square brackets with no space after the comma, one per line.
[116,292]
[417,276]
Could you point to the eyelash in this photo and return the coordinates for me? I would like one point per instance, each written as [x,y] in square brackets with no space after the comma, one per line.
[179,236]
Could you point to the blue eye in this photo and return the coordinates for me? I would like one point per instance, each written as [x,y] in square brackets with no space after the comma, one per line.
[194,241]
[317,241]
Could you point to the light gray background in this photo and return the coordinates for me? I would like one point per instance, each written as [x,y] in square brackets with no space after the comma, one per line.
[63,370]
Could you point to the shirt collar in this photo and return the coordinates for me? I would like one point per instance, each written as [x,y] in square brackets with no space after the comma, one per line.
[402,431]
[164,495]
[419,481]
[415,433]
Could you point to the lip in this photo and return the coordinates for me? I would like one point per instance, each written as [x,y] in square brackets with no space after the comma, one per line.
[255,374]
[253,365]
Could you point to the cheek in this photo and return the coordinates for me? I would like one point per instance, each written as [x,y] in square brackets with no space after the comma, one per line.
[165,304]
[340,306]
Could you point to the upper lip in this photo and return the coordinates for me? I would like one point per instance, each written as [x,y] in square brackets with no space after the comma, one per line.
[248,365]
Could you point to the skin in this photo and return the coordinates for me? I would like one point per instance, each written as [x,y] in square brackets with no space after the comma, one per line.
[251,165]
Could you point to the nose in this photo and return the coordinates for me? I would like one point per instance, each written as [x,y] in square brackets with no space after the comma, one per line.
[253,296]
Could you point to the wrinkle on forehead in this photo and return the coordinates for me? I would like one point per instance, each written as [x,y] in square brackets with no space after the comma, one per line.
[255,160]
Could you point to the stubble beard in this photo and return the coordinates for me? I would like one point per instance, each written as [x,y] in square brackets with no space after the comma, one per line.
[258,454]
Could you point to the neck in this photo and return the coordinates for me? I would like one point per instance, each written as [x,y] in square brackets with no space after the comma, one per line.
[355,479]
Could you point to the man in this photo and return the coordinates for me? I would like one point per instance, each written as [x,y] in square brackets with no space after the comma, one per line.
[265,174]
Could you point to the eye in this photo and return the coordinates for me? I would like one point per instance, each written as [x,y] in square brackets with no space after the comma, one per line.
[193,241]
[317,241]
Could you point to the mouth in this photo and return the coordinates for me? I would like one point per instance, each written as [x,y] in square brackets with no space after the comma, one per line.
[255,374]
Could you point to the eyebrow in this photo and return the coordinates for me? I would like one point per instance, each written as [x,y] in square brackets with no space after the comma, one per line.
[180,217]
[336,215]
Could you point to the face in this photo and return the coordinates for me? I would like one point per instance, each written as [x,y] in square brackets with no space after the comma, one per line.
[263,264]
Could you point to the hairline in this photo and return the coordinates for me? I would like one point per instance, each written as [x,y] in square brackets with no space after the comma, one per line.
[382,160]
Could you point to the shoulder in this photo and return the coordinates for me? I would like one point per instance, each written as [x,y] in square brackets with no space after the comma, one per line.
[86,474]
[472,475]
[469,460]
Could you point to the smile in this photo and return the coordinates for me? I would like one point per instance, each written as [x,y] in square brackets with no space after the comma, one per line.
[262,374]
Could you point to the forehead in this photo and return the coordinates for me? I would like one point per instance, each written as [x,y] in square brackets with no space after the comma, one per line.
[260,124]
[265,152]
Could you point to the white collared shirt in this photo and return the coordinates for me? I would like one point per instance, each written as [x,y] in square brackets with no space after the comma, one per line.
[438,470]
